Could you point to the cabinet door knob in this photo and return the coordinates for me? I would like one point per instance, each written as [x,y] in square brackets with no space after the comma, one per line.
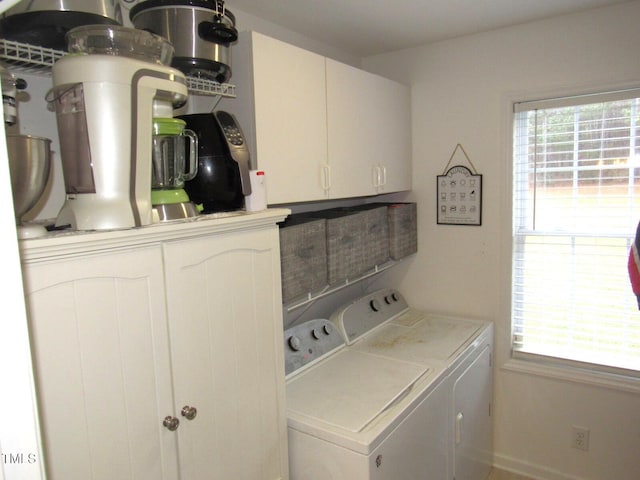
[326,177]
[375,176]
[189,412]
[459,426]
[172,423]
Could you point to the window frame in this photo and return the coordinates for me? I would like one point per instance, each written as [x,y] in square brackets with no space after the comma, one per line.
[535,363]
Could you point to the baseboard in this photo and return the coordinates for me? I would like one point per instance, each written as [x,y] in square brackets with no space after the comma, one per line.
[535,472]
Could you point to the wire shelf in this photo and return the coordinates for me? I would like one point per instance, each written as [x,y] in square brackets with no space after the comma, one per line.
[29,58]
[36,59]
[203,86]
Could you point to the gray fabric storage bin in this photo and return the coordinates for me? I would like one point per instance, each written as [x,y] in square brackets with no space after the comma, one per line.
[303,255]
[403,228]
[357,240]
[377,241]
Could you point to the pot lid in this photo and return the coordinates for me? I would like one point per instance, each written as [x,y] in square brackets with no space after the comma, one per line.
[120,41]
[216,6]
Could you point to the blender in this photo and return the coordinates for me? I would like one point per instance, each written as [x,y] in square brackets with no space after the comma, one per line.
[105,93]
[171,143]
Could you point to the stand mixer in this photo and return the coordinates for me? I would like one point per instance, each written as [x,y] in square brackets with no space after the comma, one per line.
[106,94]
[29,160]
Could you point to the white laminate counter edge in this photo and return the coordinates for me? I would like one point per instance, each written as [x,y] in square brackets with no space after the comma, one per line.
[58,245]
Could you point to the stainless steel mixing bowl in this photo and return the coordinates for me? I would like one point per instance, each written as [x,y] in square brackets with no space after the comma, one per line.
[29,162]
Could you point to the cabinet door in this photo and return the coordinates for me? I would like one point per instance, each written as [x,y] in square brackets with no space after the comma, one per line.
[99,334]
[225,317]
[290,119]
[394,146]
[369,138]
[472,392]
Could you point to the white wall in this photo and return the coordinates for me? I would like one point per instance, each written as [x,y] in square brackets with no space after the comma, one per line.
[462,90]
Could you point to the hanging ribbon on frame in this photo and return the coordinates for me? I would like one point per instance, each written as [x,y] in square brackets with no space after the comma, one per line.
[459,191]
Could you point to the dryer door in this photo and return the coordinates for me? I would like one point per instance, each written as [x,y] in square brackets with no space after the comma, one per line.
[472,392]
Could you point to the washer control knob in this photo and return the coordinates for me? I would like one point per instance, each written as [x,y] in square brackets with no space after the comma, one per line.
[388,299]
[328,329]
[316,333]
[375,305]
[294,343]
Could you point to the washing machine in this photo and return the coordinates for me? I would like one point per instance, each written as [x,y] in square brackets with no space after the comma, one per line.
[382,391]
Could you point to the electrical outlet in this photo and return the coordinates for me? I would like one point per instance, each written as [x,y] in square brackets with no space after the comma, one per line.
[580,438]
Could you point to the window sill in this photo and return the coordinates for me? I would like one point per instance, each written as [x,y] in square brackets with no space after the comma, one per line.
[573,374]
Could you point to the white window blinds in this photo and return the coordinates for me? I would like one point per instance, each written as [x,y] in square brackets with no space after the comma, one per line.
[575,211]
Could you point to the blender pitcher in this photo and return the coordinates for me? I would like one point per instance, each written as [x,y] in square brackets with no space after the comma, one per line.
[169,152]
[172,143]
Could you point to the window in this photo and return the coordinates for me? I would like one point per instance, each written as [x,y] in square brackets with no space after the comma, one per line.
[575,211]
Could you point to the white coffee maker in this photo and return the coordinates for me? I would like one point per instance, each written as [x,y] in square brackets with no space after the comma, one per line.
[106,94]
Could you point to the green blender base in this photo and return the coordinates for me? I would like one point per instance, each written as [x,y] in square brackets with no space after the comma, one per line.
[172,204]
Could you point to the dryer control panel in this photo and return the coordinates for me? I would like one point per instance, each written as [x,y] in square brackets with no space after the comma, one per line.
[366,313]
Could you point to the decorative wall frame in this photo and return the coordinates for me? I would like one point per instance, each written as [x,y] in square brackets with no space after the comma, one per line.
[459,191]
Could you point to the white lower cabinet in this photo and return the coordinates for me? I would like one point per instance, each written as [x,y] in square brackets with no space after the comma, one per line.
[98,328]
[133,328]
[223,299]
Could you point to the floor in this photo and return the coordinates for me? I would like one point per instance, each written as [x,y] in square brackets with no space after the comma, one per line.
[503,475]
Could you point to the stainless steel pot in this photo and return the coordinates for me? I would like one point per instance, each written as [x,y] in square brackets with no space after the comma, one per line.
[46,22]
[201,32]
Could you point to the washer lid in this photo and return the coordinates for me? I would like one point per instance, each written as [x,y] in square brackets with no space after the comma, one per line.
[350,389]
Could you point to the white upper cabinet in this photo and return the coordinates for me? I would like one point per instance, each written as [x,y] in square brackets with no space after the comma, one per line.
[320,129]
[369,132]
[281,107]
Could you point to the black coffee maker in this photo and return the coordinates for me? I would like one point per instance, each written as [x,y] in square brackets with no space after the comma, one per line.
[222,180]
